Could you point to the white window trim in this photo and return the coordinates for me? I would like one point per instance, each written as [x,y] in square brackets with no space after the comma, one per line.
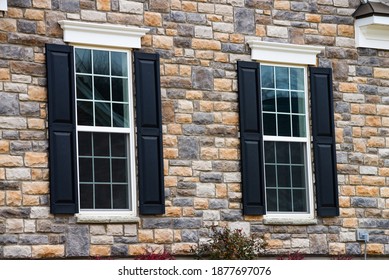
[273,52]
[3,5]
[372,32]
[291,217]
[112,37]
[103,35]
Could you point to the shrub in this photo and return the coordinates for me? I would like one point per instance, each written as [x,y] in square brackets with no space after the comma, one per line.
[153,255]
[226,244]
[291,256]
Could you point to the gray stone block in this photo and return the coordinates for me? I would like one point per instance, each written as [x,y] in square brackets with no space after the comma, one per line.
[9,105]
[77,241]
[188,147]
[244,21]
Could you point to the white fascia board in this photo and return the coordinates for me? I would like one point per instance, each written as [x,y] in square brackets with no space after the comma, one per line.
[284,53]
[372,32]
[108,35]
[3,5]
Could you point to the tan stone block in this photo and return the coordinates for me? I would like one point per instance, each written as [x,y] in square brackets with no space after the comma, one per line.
[15,12]
[344,202]
[2,174]
[373,180]
[376,142]
[4,74]
[48,251]
[188,212]
[222,84]
[206,106]
[357,131]
[384,192]
[2,198]
[221,37]
[346,30]
[183,118]
[200,203]
[173,212]
[337,248]
[177,235]
[171,69]
[369,109]
[385,121]
[170,153]
[359,145]
[355,108]
[103,5]
[36,174]
[8,25]
[175,4]
[188,6]
[220,57]
[374,249]
[347,212]
[209,153]
[201,44]
[35,188]
[222,106]
[339,135]
[348,87]
[14,225]
[350,222]
[180,171]
[230,118]
[186,71]
[35,159]
[170,181]
[147,40]
[369,131]
[163,42]
[163,236]
[174,129]
[367,191]
[4,146]
[347,190]
[371,159]
[183,248]
[282,5]
[100,250]
[316,18]
[30,200]
[44,4]
[34,14]
[11,161]
[274,244]
[41,30]
[221,191]
[37,93]
[373,121]
[170,141]
[228,153]
[13,198]
[36,124]
[381,73]
[383,110]
[260,30]
[204,55]
[215,18]
[327,29]
[237,38]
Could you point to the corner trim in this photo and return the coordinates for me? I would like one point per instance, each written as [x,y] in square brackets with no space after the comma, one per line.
[372,32]
[109,35]
[284,53]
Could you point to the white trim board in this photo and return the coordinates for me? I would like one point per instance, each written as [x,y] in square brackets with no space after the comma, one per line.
[372,32]
[108,35]
[3,5]
[284,53]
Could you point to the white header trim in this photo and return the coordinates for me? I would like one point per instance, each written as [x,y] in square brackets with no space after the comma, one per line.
[108,35]
[3,5]
[284,53]
[372,32]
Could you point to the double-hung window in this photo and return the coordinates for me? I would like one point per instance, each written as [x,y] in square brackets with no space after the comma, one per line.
[105,137]
[283,167]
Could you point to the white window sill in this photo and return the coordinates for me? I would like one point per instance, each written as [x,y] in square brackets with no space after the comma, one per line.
[106,219]
[289,221]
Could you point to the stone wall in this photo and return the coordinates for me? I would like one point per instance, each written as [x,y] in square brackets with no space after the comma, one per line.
[199,43]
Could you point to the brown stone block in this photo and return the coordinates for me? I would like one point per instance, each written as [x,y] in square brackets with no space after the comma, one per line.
[13,198]
[337,248]
[209,153]
[4,146]
[231,154]
[153,19]
[28,68]
[367,191]
[183,118]
[222,84]
[43,4]
[8,25]
[103,5]
[376,142]
[183,248]
[2,198]
[348,87]
[316,18]
[35,188]
[369,131]
[347,213]
[344,202]
[189,6]
[206,106]
[173,212]
[100,250]
[373,180]
[170,153]
[188,212]
[374,249]
[381,73]
[167,111]
[215,18]
[30,200]
[373,121]
[347,190]
[34,159]
[159,5]
[201,44]
[220,57]
[162,42]
[200,203]
[36,124]
[48,251]
[34,14]
[185,70]
[163,236]
[174,129]
[327,29]
[194,95]
[4,74]
[145,235]
[10,161]
[180,171]
[15,12]
[346,30]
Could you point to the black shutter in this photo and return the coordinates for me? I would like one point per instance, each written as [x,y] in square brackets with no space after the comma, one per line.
[324,142]
[62,133]
[149,134]
[251,138]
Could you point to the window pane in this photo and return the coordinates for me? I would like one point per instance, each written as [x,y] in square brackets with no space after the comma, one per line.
[102,88]
[86,170]
[101,62]
[84,87]
[103,196]
[285,200]
[271,199]
[284,125]
[84,113]
[270,171]
[119,90]
[299,201]
[101,144]
[103,114]
[83,61]
[298,102]
[120,197]
[282,149]
[119,64]
[269,152]
[299,126]
[119,170]
[297,153]
[268,101]
[267,76]
[84,144]
[297,78]
[298,175]
[120,115]
[269,124]
[283,101]
[282,78]
[86,196]
[119,146]
[283,176]
[102,170]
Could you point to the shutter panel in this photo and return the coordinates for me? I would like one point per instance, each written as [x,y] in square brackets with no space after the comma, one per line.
[62,132]
[324,142]
[251,138]
[149,134]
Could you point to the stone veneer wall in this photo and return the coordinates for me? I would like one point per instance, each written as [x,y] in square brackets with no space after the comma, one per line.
[199,42]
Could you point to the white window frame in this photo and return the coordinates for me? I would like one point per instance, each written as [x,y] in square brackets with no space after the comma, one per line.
[290,55]
[109,37]
[308,149]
